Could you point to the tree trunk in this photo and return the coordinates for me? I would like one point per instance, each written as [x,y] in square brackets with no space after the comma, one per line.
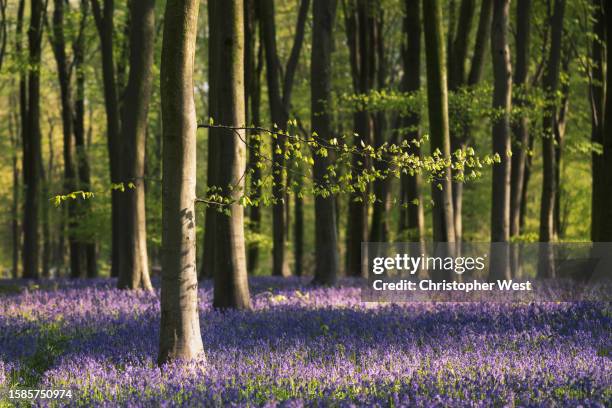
[550,85]
[210,240]
[279,112]
[559,133]
[32,160]
[252,76]
[88,245]
[326,236]
[15,232]
[412,219]
[482,36]
[180,336]
[279,119]
[231,284]
[437,101]
[133,261]
[521,126]
[70,181]
[502,97]
[596,93]
[605,216]
[457,71]
[359,27]
[105,26]
[456,79]
[379,229]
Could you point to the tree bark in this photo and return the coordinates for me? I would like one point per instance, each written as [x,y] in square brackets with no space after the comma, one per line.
[210,240]
[437,101]
[359,27]
[253,69]
[70,181]
[279,112]
[482,36]
[596,93]
[502,100]
[84,177]
[231,285]
[412,219]
[326,236]
[134,261]
[605,192]
[180,336]
[456,79]
[550,85]
[379,228]
[105,25]
[15,232]
[32,160]
[521,126]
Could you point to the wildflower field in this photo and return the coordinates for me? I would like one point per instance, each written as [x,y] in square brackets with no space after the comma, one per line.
[303,346]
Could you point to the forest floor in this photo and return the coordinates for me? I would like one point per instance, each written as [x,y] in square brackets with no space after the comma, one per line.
[304,346]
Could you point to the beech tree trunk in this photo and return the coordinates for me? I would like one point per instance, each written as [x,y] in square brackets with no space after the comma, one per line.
[596,93]
[550,85]
[437,102]
[180,336]
[231,285]
[412,219]
[326,236]
[133,260]
[88,244]
[104,19]
[456,79]
[210,240]
[32,156]
[280,101]
[605,192]
[521,126]
[15,231]
[359,27]
[70,180]
[502,97]
[252,76]
[379,228]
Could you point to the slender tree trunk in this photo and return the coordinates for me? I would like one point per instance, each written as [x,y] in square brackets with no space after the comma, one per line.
[15,232]
[412,219]
[457,79]
[559,133]
[379,229]
[180,336]
[596,93]
[70,180]
[279,119]
[32,159]
[88,245]
[359,27]
[521,126]
[210,239]
[105,25]
[3,30]
[254,155]
[252,79]
[550,85]
[279,112]
[502,100]
[605,189]
[134,261]
[437,100]
[231,284]
[326,235]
